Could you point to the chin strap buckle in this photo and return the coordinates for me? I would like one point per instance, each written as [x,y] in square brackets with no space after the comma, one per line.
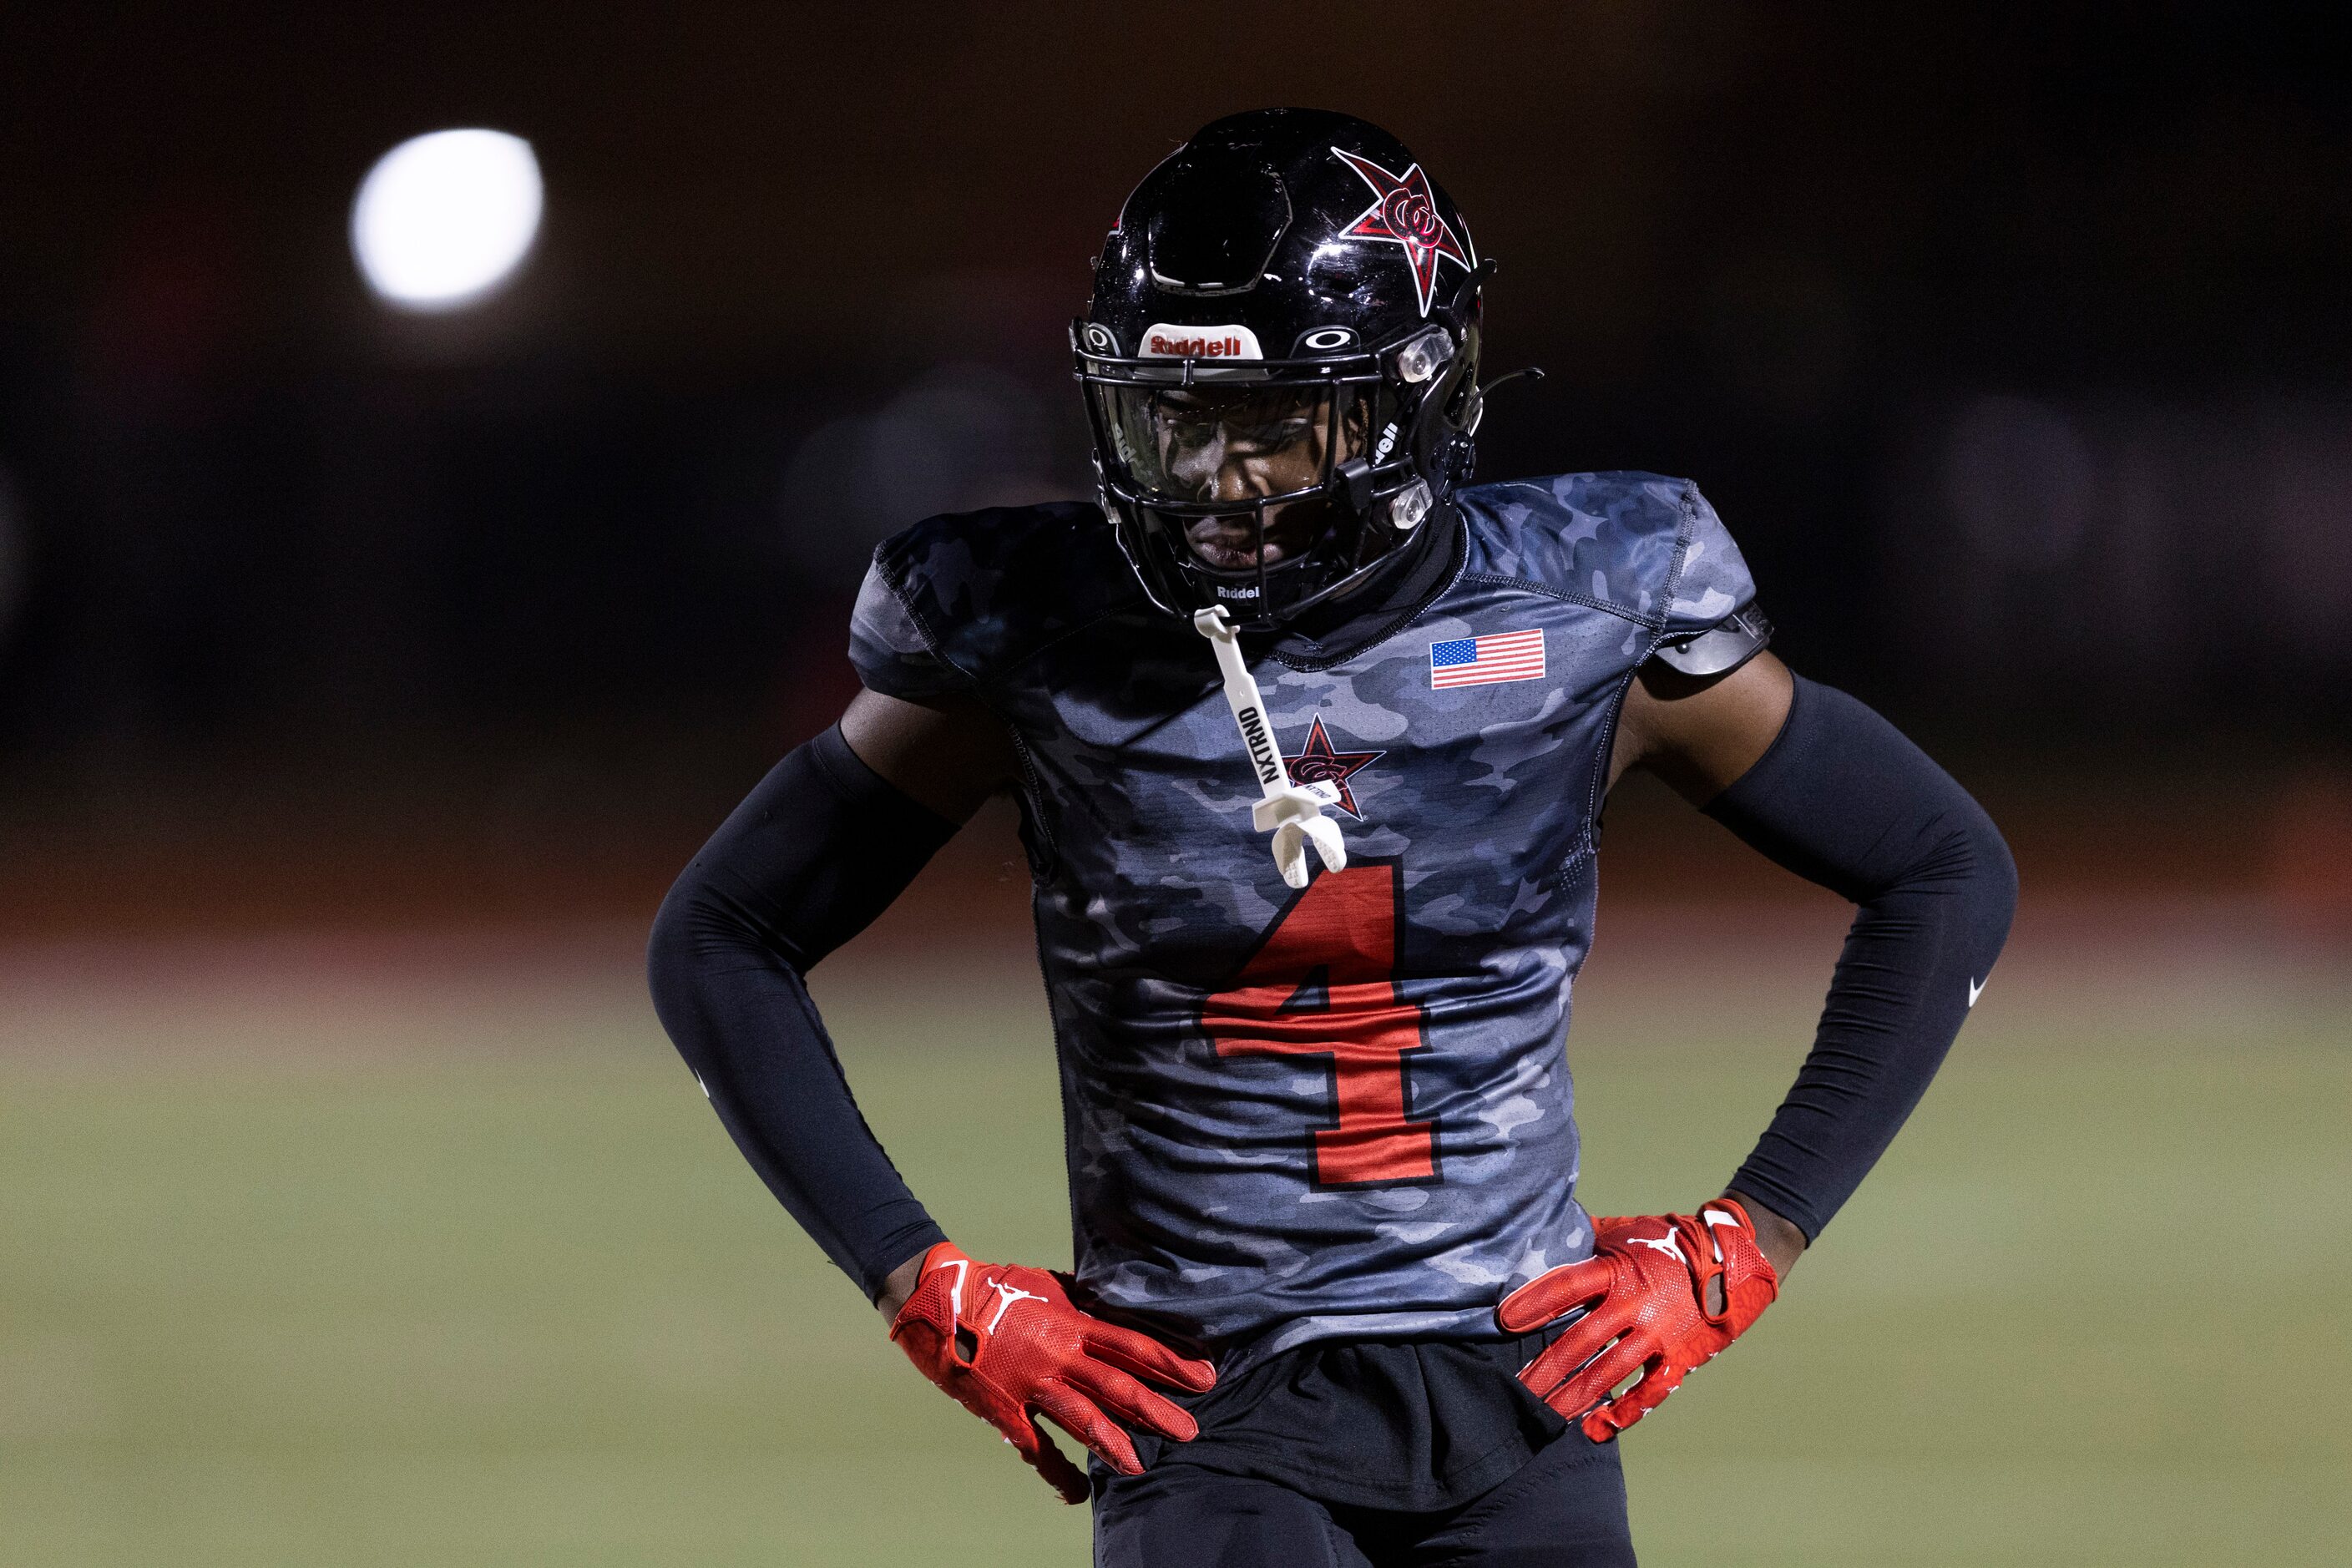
[1292,813]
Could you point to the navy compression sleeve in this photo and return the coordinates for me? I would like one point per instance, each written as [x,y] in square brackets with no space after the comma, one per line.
[805,863]
[1842,799]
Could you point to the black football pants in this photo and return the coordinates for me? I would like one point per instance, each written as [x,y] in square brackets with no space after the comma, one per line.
[1563,1509]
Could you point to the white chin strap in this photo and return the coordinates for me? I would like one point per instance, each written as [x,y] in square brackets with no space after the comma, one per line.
[1292,813]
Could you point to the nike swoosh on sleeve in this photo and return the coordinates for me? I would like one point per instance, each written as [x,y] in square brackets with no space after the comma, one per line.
[1976,989]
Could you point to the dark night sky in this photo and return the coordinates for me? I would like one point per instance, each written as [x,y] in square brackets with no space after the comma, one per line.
[1791,250]
[732,180]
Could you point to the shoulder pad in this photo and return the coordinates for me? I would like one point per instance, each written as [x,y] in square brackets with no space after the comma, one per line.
[956,600]
[1722,647]
[1643,546]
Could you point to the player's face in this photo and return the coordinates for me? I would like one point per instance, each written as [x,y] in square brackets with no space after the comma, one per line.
[1239,443]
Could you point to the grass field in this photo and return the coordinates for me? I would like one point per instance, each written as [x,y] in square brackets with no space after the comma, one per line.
[304,1262]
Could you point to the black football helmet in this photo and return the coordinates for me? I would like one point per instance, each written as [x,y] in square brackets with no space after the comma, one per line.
[1280,363]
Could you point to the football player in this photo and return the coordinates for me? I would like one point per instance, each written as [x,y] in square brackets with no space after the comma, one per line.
[1310,739]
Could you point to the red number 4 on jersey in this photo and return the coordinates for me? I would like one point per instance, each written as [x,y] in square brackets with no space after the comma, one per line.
[1340,935]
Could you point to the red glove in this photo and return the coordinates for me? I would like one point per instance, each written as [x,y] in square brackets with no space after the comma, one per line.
[1646,1286]
[1007,1344]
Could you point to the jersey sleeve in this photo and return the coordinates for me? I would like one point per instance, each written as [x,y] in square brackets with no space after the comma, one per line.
[892,654]
[961,604]
[1710,582]
[1643,546]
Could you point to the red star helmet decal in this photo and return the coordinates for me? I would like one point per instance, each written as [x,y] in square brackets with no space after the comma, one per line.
[1317,762]
[1406,212]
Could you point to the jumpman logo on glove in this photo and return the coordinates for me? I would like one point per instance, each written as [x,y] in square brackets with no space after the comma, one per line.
[1052,1361]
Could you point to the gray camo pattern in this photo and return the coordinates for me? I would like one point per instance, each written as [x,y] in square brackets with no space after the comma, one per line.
[1191,1175]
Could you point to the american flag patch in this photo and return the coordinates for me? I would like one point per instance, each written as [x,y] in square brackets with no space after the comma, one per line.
[1482,661]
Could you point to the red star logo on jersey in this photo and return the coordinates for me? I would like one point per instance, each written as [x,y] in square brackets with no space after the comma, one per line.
[1406,213]
[1317,762]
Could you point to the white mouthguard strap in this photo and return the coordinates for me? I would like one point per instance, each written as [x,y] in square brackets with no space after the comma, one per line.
[1292,813]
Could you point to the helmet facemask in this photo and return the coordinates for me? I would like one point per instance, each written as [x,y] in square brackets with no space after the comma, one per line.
[1273,486]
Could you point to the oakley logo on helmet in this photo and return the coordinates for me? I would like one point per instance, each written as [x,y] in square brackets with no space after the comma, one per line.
[1405,214]
[1162,341]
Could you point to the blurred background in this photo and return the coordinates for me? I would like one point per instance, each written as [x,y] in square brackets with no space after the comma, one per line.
[374,645]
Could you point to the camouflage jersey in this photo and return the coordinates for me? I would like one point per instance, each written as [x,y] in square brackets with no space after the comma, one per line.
[1343,1111]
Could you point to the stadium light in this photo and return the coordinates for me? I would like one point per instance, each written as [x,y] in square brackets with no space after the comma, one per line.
[444,218]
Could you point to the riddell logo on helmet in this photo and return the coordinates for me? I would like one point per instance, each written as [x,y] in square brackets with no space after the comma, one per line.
[1163,342]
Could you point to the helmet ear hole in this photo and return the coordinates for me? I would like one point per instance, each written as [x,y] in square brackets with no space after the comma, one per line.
[1464,406]
[1469,408]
